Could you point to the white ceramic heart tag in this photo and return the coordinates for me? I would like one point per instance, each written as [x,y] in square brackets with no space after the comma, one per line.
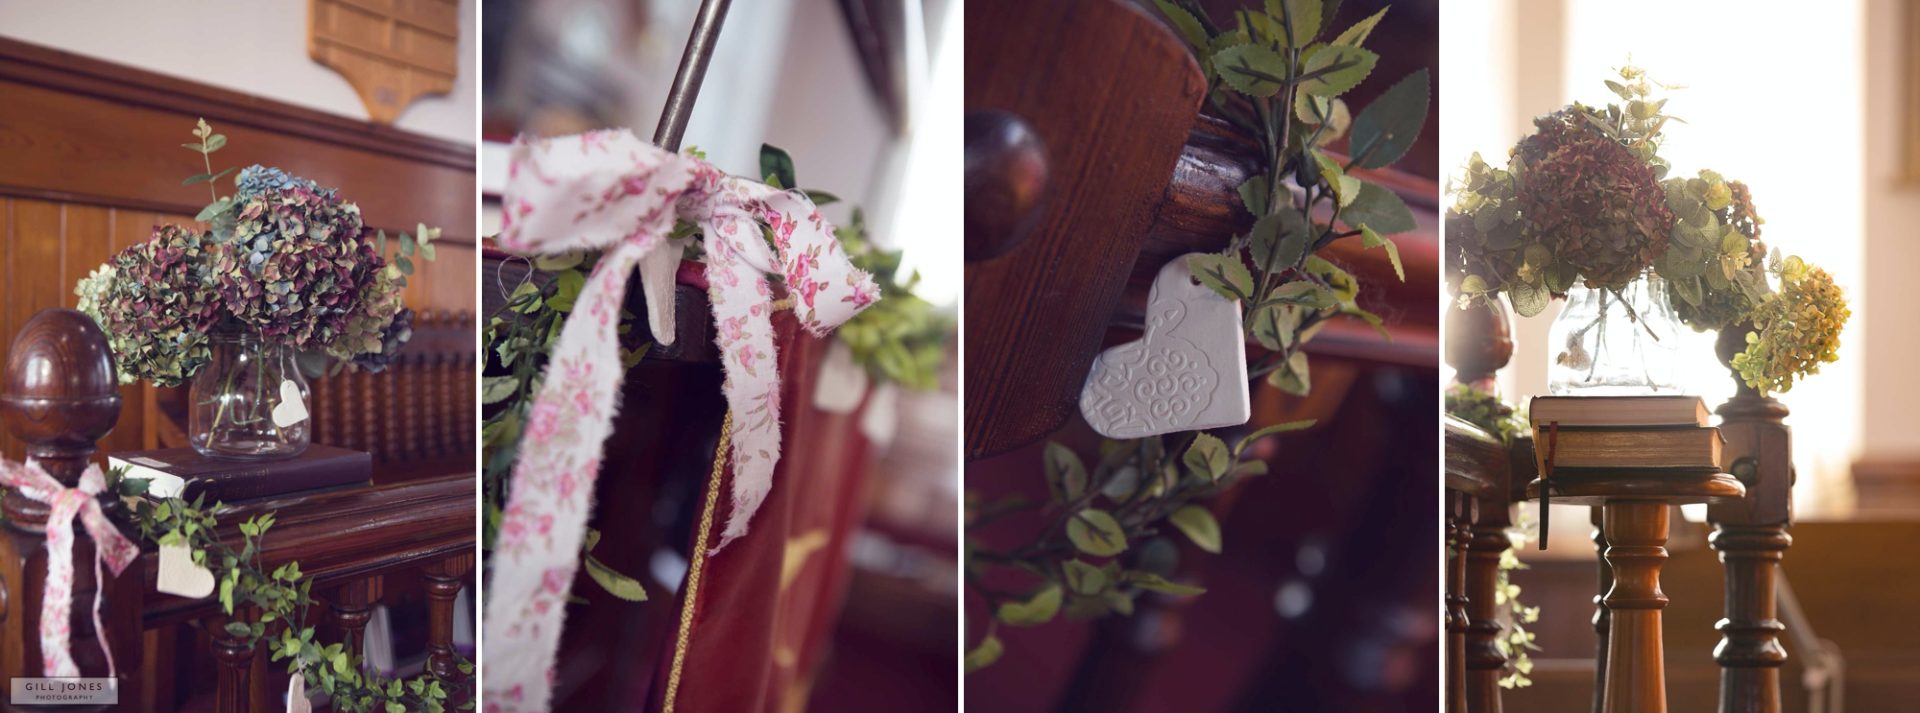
[297,694]
[292,408]
[1188,372]
[178,574]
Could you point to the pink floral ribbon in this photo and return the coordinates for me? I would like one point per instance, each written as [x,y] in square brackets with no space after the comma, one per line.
[613,192]
[109,547]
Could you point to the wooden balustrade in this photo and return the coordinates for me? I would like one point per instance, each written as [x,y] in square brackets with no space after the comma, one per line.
[60,398]
[1750,511]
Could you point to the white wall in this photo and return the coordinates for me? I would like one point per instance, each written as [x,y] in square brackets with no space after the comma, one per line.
[241,45]
[1891,425]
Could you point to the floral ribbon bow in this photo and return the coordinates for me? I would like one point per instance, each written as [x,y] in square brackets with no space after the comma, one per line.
[109,547]
[613,192]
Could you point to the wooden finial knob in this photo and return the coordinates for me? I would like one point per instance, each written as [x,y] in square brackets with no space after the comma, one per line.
[59,393]
[1479,340]
[1006,176]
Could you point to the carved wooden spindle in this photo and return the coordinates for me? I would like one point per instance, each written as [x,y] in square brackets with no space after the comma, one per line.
[59,397]
[1459,507]
[369,413]
[353,604]
[444,580]
[1636,549]
[1600,611]
[1479,342]
[1751,537]
[1487,541]
[1006,183]
[234,656]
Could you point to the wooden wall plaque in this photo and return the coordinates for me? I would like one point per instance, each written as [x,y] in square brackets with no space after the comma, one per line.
[391,51]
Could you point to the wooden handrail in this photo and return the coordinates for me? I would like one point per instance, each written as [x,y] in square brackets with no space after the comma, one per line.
[60,398]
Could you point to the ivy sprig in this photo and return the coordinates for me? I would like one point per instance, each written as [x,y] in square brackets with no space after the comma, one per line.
[280,599]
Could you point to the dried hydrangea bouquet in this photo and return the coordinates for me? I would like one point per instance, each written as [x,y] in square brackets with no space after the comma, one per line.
[283,277]
[1586,210]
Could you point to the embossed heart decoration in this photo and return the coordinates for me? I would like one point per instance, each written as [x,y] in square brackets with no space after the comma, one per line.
[1188,372]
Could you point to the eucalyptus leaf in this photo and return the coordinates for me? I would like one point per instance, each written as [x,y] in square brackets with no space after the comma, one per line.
[1066,475]
[985,654]
[1199,526]
[1278,428]
[1096,533]
[1038,609]
[1528,299]
[617,584]
[1157,583]
[1084,578]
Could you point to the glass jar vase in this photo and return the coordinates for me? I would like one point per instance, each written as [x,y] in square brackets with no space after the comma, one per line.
[250,401]
[1609,342]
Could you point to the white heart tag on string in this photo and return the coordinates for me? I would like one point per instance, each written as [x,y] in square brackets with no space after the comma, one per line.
[178,574]
[292,408]
[1187,372]
[297,693]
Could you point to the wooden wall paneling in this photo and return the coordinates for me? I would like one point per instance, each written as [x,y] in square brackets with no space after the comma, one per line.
[92,131]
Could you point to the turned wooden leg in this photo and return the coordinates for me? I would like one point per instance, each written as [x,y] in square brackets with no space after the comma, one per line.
[1486,542]
[352,609]
[1458,505]
[444,580]
[1749,653]
[235,659]
[1600,612]
[1636,532]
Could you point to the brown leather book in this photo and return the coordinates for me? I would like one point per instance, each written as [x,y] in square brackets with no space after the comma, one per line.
[1618,410]
[320,467]
[1677,447]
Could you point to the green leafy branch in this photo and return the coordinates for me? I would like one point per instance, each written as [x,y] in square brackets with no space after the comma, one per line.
[1270,77]
[1103,545]
[280,599]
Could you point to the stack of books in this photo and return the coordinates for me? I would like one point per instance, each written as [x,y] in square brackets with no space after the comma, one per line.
[1613,432]
[184,473]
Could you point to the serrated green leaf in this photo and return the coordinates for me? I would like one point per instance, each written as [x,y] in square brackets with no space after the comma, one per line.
[1096,533]
[1253,193]
[1038,609]
[1185,23]
[1357,34]
[1345,188]
[1274,324]
[1199,526]
[1253,70]
[1066,474]
[1335,69]
[1302,16]
[617,584]
[985,654]
[1372,239]
[1384,130]
[1378,208]
[1225,274]
[1292,377]
[1277,241]
[1251,438]
[566,290]
[1207,457]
